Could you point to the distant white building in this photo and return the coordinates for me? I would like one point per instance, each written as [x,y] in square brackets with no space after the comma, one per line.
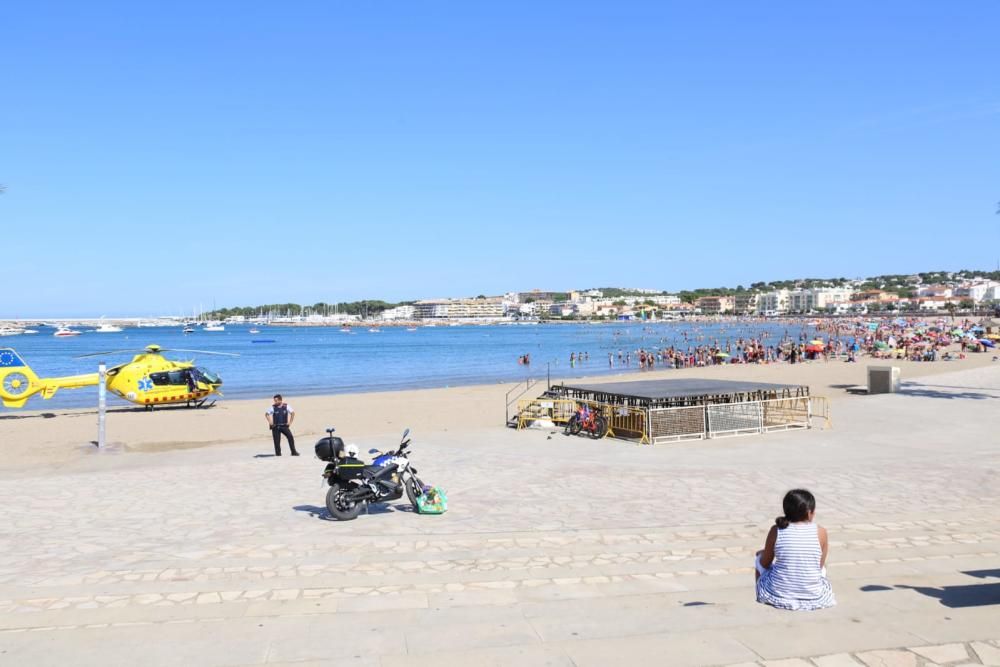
[773,303]
[976,291]
[945,291]
[460,309]
[399,313]
[817,298]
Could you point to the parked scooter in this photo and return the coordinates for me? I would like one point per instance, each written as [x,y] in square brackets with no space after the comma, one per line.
[353,484]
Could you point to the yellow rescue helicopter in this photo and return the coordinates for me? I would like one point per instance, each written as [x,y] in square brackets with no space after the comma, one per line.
[149,379]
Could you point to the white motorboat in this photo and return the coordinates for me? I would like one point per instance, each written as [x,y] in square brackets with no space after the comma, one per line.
[374,330]
[108,328]
[64,332]
[215,326]
[11,331]
[254,331]
[188,329]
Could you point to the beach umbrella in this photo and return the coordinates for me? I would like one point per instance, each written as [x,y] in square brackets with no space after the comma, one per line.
[987,342]
[881,345]
[721,354]
[814,348]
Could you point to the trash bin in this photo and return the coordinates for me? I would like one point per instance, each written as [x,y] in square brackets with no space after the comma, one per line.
[883,379]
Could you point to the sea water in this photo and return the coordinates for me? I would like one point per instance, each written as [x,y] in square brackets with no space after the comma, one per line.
[324,360]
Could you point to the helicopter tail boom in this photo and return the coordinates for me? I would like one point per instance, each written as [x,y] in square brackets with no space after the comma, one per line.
[18,382]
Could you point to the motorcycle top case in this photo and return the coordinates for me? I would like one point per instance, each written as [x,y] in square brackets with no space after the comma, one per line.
[328,448]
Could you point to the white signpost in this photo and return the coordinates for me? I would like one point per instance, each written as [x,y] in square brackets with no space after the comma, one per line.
[102,374]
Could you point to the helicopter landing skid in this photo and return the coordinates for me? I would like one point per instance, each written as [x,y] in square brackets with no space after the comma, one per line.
[203,403]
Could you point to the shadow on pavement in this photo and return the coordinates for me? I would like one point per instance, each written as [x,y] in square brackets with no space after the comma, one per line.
[377,508]
[983,574]
[314,511]
[926,392]
[974,595]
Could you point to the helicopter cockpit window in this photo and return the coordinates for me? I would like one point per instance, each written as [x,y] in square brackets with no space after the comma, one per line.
[208,376]
[160,378]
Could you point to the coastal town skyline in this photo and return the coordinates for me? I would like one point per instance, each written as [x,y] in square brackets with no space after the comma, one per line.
[925,289]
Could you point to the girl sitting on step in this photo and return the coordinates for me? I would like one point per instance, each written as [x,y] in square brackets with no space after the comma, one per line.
[791,572]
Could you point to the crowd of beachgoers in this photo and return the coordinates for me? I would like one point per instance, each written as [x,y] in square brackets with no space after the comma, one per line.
[845,340]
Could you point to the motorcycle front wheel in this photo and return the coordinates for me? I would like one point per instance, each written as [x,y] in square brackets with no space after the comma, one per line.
[338,507]
[414,489]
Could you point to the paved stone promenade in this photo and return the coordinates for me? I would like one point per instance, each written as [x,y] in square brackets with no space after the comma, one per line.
[556,551]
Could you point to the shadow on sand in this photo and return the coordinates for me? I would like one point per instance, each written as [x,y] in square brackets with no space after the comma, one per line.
[81,412]
[40,415]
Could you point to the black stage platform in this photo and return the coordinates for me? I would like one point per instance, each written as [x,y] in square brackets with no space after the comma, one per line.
[677,393]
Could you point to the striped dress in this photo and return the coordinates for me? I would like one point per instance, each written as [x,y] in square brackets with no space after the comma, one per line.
[795,579]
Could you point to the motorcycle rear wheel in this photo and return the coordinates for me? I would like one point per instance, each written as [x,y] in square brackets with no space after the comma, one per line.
[414,489]
[339,509]
[600,428]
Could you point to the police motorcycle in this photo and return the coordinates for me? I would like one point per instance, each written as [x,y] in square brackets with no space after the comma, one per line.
[353,484]
[407,473]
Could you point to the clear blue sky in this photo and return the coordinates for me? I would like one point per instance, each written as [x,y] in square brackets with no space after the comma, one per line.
[158,156]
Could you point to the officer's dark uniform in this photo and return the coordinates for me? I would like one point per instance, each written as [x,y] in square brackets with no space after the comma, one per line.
[279,417]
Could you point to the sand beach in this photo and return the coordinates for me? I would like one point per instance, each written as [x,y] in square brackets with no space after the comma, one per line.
[52,438]
[181,543]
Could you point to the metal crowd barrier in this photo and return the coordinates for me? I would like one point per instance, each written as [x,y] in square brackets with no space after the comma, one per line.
[659,425]
[556,410]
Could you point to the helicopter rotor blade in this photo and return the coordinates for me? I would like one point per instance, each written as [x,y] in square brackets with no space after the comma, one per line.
[158,350]
[100,354]
[221,354]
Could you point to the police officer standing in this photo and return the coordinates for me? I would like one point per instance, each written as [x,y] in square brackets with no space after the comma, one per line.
[280,417]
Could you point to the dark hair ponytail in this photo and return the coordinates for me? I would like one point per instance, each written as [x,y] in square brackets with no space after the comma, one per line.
[797,504]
